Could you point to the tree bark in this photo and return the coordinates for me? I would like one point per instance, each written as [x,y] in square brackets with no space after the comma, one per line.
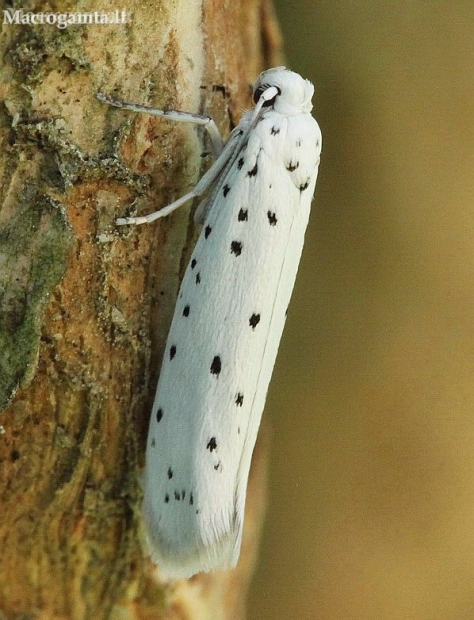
[85,306]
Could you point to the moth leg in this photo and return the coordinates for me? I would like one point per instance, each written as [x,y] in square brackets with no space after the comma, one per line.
[173,115]
[147,219]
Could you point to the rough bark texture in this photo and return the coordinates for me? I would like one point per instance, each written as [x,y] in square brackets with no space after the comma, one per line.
[85,306]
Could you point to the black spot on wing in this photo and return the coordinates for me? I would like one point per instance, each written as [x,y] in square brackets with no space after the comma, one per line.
[239,399]
[291,167]
[172,351]
[225,190]
[167,498]
[240,163]
[193,263]
[253,172]
[304,186]
[159,414]
[198,278]
[212,444]
[216,365]
[274,130]
[243,215]
[186,311]
[272,218]
[254,320]
[170,473]
[207,231]
[236,248]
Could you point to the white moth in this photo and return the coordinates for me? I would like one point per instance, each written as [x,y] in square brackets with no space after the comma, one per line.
[227,324]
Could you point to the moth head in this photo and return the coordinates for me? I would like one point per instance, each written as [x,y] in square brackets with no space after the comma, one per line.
[291,93]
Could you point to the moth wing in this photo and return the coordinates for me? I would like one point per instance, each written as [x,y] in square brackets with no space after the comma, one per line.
[221,350]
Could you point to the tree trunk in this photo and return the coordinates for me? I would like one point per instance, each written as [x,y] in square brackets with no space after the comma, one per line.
[85,306]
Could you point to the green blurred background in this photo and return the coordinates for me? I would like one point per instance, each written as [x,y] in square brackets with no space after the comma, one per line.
[371,407]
